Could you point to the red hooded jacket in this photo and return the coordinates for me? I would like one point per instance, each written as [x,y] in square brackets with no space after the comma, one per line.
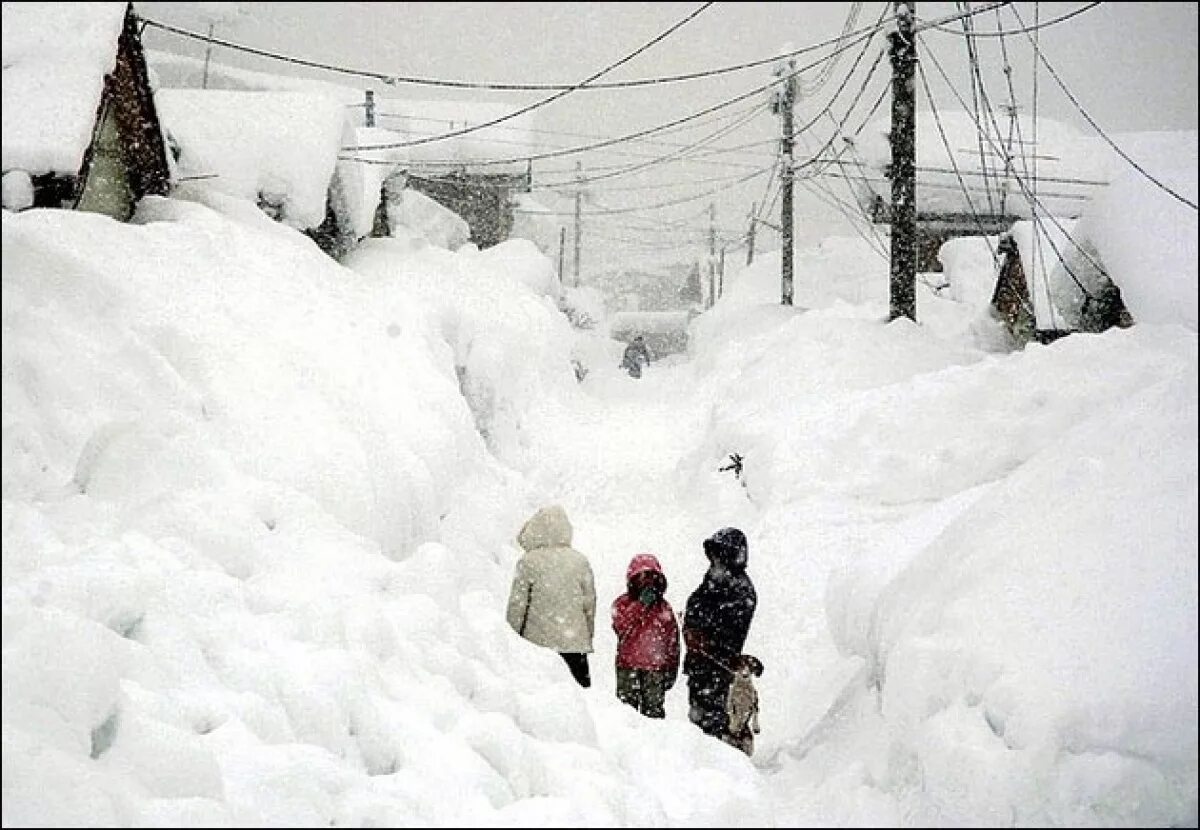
[647,636]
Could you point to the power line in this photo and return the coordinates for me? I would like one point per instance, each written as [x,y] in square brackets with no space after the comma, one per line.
[676,155]
[1002,32]
[618,139]
[635,209]
[567,133]
[561,93]
[392,80]
[1042,56]
[1031,196]
[950,152]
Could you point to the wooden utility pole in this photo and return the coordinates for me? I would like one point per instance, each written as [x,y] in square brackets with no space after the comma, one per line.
[787,101]
[721,274]
[903,285]
[369,119]
[712,253]
[562,248]
[578,213]
[750,233]
[207,56]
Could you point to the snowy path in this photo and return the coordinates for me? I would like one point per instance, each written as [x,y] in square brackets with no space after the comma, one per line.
[624,494]
[630,494]
[621,467]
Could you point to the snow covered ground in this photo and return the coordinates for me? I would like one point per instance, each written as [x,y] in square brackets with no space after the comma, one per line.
[259,513]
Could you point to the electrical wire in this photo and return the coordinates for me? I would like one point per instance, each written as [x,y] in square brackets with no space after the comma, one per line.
[561,93]
[635,135]
[1062,85]
[1000,32]
[1031,196]
[392,80]
[676,155]
[637,208]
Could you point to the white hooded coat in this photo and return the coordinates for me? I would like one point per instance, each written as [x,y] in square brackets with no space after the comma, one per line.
[553,598]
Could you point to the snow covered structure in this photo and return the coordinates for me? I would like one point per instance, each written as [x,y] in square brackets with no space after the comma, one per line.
[473,175]
[1052,199]
[80,125]
[1059,275]
[477,174]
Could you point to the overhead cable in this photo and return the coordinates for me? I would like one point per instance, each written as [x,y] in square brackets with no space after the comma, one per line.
[1042,56]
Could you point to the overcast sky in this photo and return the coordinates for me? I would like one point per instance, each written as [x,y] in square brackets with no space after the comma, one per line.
[1132,66]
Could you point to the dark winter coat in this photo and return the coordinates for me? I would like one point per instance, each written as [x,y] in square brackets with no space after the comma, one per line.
[647,636]
[636,356]
[718,615]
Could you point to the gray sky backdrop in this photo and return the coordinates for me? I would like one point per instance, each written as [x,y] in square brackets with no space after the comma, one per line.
[1133,66]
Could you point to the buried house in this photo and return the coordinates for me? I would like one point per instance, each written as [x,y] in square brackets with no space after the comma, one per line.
[80,125]
[279,150]
[1057,275]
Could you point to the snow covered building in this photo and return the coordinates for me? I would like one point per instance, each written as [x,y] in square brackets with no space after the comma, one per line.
[973,184]
[472,175]
[1098,270]
[476,171]
[80,124]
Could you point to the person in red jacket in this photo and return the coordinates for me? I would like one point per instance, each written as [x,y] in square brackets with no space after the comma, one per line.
[647,638]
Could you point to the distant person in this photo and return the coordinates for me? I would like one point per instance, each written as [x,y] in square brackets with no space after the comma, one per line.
[636,356]
[552,602]
[647,638]
[715,625]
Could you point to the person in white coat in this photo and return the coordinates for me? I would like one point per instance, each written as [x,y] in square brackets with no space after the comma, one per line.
[553,598]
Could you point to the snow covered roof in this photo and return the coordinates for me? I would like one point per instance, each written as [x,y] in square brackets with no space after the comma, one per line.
[1133,234]
[1069,169]
[411,119]
[283,145]
[423,119]
[183,72]
[55,58]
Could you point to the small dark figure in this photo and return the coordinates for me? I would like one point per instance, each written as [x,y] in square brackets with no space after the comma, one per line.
[647,638]
[715,626]
[636,356]
[741,706]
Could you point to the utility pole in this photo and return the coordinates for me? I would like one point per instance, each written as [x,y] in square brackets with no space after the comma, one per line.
[562,248]
[207,56]
[369,120]
[750,233]
[786,101]
[721,274]
[578,213]
[712,253]
[903,51]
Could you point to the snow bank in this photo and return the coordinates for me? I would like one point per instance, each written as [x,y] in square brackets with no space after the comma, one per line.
[1004,546]
[497,308]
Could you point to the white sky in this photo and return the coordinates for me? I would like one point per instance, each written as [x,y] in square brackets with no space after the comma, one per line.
[259,512]
[1132,65]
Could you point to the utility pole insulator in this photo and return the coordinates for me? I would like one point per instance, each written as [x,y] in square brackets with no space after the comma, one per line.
[903,137]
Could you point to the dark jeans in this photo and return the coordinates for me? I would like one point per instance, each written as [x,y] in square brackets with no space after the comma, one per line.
[578,664]
[644,690]
[706,702]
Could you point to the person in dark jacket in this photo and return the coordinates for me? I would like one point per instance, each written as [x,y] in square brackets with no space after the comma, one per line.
[715,625]
[636,356]
[647,638]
